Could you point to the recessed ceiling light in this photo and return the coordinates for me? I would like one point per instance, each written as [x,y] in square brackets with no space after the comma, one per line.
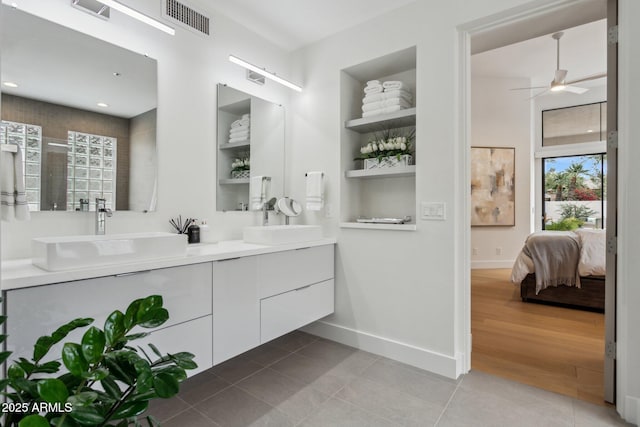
[102,104]
[116,74]
[10,84]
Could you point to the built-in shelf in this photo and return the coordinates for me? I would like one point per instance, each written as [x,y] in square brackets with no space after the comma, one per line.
[234,181]
[370,226]
[396,119]
[232,145]
[397,171]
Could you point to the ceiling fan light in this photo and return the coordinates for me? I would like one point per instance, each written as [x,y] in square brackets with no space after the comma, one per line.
[557,87]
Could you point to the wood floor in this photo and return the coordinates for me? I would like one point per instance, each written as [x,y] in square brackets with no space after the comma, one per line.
[553,348]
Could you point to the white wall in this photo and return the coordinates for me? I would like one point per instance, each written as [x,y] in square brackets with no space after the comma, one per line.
[395,291]
[501,117]
[189,67]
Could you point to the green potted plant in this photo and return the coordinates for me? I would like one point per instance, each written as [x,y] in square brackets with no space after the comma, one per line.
[108,383]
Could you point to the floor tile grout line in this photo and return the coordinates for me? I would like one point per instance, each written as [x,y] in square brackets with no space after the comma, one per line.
[446,406]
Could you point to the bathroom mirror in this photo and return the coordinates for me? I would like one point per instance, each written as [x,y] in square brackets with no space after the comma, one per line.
[84,112]
[250,143]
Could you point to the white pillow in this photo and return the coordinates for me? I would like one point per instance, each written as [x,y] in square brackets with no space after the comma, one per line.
[592,252]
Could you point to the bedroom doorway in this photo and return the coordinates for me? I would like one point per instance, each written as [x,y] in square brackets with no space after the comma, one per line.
[486,314]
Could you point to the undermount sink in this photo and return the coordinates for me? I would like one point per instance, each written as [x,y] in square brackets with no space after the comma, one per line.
[71,252]
[281,234]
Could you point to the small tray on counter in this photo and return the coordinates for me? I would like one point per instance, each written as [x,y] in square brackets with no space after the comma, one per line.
[385,220]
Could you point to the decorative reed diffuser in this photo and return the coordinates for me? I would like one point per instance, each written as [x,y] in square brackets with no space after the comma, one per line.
[179,226]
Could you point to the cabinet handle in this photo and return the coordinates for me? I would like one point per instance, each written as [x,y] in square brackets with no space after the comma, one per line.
[304,287]
[228,259]
[132,273]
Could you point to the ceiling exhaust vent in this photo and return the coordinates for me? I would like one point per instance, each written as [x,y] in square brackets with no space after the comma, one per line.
[186,16]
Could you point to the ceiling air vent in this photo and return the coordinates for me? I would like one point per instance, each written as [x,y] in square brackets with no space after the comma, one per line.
[185,15]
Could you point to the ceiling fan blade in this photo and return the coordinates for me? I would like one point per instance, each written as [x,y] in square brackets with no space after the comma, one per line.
[560,75]
[575,89]
[587,78]
[528,88]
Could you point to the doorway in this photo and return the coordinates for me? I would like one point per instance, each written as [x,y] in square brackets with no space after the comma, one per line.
[608,372]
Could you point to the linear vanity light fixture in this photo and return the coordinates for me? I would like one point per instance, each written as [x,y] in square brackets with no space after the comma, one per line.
[137,15]
[264,72]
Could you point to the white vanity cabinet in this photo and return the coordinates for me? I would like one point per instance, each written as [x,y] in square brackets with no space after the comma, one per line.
[186,291]
[296,288]
[236,323]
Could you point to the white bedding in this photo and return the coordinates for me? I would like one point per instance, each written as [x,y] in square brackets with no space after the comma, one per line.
[592,256]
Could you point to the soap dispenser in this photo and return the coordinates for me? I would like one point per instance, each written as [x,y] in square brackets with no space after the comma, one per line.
[193,232]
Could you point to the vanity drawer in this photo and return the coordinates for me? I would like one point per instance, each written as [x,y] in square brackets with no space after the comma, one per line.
[284,271]
[291,310]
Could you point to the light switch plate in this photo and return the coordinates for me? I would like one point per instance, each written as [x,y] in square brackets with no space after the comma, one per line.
[433,211]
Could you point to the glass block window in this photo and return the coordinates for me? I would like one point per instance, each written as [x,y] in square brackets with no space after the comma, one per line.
[91,167]
[29,138]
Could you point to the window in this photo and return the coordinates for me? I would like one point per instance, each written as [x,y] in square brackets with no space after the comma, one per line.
[574,191]
[574,125]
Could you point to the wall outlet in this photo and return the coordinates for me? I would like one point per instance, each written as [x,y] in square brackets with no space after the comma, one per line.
[433,211]
[498,251]
[475,251]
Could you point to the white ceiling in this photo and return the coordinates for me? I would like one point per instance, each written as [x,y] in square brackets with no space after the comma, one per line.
[583,52]
[292,24]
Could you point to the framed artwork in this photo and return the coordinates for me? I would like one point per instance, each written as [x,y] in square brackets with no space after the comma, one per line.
[493,186]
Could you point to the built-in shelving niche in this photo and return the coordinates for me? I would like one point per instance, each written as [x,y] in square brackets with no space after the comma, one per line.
[383,192]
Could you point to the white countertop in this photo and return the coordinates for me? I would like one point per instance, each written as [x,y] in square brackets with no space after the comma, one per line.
[22,273]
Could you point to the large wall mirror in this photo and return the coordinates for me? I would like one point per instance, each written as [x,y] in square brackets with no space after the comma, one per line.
[250,143]
[84,113]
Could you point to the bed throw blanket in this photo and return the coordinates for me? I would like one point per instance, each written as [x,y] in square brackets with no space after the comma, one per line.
[555,257]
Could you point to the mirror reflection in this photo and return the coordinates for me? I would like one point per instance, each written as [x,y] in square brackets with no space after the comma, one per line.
[83,112]
[250,142]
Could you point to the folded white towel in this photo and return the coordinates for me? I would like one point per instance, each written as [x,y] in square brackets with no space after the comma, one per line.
[258,191]
[386,103]
[374,83]
[241,122]
[240,128]
[315,190]
[13,200]
[246,116]
[373,89]
[398,93]
[384,110]
[235,134]
[393,84]
[239,139]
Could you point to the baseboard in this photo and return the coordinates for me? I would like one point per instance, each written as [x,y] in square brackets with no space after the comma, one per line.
[479,265]
[431,361]
[631,410]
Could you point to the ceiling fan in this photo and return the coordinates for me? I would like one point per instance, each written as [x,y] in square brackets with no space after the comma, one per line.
[559,84]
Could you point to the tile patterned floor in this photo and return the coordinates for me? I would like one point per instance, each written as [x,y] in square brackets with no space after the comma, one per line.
[302,380]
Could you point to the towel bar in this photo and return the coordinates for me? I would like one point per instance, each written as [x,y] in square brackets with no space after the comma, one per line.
[307,174]
[11,148]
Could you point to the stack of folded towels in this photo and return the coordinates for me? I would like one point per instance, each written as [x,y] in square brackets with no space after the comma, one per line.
[383,98]
[240,129]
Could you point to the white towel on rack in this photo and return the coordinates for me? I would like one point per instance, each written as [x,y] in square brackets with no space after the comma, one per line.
[244,132]
[13,200]
[315,190]
[393,85]
[258,192]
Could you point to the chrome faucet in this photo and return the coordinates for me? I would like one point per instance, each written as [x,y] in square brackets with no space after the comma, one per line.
[102,212]
[266,207]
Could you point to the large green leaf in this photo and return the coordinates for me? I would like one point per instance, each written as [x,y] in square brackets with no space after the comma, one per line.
[93,342]
[111,387]
[97,374]
[120,368]
[86,415]
[47,368]
[131,315]
[130,409]
[153,318]
[26,365]
[52,390]
[27,386]
[165,385]
[175,371]
[42,347]
[16,371]
[74,360]
[84,398]
[184,360]
[145,376]
[114,328]
[33,420]
[64,330]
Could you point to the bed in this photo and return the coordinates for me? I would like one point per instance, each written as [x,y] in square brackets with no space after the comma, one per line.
[563,268]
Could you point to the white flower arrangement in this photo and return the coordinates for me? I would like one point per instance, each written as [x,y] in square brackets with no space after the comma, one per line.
[387,144]
[241,164]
